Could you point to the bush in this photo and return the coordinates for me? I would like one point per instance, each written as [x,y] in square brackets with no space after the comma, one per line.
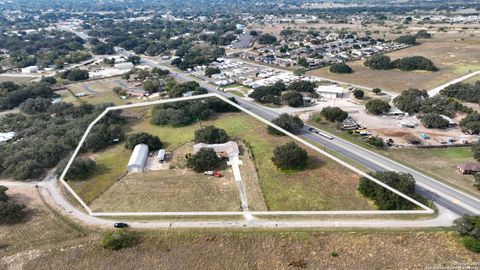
[290,157]
[377,106]
[423,34]
[384,198]
[476,179]
[153,142]
[358,94]
[36,105]
[334,114]
[288,122]
[3,194]
[340,68]
[292,99]
[204,160]
[433,120]
[211,71]
[11,212]
[302,86]
[471,243]
[376,91]
[80,169]
[75,74]
[375,141]
[117,240]
[379,62]
[468,227]
[210,135]
[471,123]
[476,150]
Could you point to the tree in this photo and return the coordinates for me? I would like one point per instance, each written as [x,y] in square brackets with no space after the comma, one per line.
[50,80]
[3,194]
[476,150]
[211,71]
[423,34]
[468,227]
[117,240]
[471,123]
[376,91]
[211,135]
[204,160]
[266,39]
[334,114]
[302,61]
[80,169]
[340,68]
[134,59]
[384,198]
[290,157]
[378,61]
[377,106]
[433,120]
[153,86]
[410,100]
[103,48]
[153,142]
[414,63]
[75,74]
[119,91]
[301,86]
[292,99]
[358,93]
[37,105]
[11,212]
[476,178]
[406,39]
[286,121]
[375,141]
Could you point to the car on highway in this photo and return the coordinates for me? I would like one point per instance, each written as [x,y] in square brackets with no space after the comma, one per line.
[120,225]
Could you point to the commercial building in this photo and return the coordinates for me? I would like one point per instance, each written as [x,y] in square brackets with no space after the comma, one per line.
[330,91]
[138,158]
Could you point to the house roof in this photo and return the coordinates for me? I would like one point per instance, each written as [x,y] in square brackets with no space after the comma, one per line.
[469,167]
[230,148]
[330,89]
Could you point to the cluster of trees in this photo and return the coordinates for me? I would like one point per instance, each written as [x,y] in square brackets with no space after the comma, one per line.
[377,106]
[383,62]
[434,120]
[463,91]
[106,132]
[407,39]
[384,198]
[334,114]
[211,71]
[210,135]
[204,160]
[341,68]
[185,113]
[190,56]
[468,227]
[11,211]
[153,142]
[12,94]
[101,47]
[286,121]
[74,74]
[290,156]
[278,93]
[266,39]
[177,90]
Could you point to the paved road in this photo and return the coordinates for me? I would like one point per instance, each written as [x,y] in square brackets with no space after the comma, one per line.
[437,90]
[446,196]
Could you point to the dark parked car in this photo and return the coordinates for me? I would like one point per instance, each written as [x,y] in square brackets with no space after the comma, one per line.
[120,225]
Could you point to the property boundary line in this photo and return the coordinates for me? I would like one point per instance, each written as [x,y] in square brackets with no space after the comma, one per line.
[424,210]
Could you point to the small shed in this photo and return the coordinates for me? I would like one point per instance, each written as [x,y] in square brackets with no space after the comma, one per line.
[138,158]
[161,155]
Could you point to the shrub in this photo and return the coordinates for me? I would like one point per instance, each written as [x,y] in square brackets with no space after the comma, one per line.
[210,134]
[377,106]
[290,157]
[204,160]
[211,71]
[376,91]
[476,150]
[423,34]
[406,39]
[334,114]
[340,68]
[117,240]
[288,122]
[358,94]
[375,141]
[11,212]
[153,142]
[433,120]
[471,243]
[80,169]
[292,99]
[476,178]
[3,194]
[75,75]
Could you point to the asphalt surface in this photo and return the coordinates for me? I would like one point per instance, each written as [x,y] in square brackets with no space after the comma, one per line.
[446,196]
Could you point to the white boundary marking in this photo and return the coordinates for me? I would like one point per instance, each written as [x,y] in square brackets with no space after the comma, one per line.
[425,209]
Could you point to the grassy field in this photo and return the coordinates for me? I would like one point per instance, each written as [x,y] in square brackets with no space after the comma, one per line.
[16,79]
[439,163]
[111,165]
[170,191]
[454,57]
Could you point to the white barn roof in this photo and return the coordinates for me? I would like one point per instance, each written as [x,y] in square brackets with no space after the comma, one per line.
[138,158]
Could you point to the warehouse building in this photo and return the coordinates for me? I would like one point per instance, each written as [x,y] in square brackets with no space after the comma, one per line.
[138,159]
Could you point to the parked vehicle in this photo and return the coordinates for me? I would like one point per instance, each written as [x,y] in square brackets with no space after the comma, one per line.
[120,225]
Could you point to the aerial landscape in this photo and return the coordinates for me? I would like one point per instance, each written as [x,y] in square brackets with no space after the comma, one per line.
[240,134]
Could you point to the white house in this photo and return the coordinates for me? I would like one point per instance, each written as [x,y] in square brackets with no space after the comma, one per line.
[30,69]
[138,158]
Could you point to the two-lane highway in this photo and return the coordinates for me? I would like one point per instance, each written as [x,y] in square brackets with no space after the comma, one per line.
[446,196]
